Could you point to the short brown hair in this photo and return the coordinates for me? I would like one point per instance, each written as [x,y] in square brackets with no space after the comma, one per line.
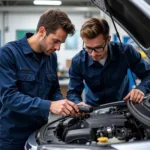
[54,19]
[93,27]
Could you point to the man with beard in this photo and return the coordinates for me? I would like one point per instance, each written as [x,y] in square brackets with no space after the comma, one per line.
[29,87]
[102,66]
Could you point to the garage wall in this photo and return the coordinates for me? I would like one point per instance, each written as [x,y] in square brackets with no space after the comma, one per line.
[11,21]
[28,21]
[22,21]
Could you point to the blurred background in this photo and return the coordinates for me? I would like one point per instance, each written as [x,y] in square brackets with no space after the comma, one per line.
[20,16]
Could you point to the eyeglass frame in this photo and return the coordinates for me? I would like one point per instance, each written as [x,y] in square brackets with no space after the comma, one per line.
[94,48]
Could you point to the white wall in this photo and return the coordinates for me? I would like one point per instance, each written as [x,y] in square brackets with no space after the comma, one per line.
[28,21]
[25,21]
[0,21]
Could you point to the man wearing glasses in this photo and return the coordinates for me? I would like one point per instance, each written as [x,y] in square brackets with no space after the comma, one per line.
[102,67]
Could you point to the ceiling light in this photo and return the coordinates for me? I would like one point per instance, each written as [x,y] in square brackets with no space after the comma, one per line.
[43,2]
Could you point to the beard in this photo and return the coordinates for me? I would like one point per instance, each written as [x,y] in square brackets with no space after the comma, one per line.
[43,48]
[47,51]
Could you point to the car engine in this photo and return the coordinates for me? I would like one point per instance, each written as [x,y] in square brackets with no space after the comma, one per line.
[113,124]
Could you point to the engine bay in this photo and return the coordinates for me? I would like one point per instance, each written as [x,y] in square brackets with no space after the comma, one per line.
[108,125]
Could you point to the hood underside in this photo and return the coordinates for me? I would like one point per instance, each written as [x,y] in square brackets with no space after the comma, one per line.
[132,15]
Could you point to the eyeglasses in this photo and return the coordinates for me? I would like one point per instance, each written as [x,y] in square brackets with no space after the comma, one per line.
[97,49]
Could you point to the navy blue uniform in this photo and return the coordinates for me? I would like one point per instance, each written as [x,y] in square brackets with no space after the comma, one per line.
[27,84]
[104,82]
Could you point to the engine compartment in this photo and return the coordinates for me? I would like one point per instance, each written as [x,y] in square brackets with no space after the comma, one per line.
[103,126]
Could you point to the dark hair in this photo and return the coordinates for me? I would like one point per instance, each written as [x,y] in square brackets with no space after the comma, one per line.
[54,19]
[93,27]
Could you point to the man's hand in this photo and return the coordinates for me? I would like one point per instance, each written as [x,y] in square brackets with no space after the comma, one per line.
[82,104]
[64,107]
[135,95]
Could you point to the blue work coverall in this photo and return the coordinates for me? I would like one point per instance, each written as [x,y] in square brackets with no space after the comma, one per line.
[26,87]
[108,83]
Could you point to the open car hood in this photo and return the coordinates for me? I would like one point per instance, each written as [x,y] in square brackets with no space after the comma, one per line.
[133,16]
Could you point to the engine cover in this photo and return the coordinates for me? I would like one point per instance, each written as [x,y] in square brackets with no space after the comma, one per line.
[114,122]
